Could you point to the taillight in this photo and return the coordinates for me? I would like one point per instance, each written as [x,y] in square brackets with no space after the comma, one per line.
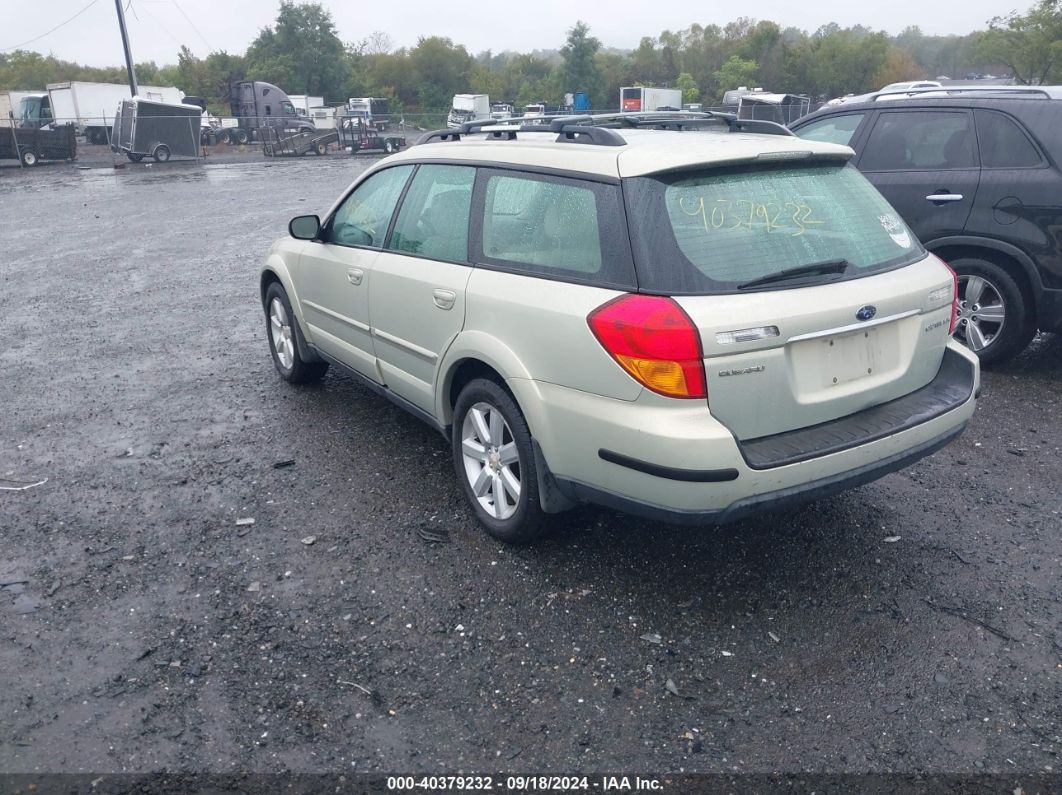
[653,340]
[954,298]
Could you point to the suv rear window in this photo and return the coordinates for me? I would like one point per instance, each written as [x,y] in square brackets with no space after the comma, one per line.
[711,231]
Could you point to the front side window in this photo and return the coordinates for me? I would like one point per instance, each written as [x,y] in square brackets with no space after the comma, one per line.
[833,130]
[920,141]
[288,108]
[714,231]
[433,221]
[363,217]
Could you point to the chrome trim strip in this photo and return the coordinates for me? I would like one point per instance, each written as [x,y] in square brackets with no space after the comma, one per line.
[833,332]
[336,316]
[424,353]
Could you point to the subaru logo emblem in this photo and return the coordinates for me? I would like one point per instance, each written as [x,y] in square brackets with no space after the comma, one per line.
[866,312]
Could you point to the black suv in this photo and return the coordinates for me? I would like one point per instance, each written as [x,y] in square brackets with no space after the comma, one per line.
[976,176]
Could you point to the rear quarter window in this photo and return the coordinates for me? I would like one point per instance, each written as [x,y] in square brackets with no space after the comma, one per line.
[709,232]
[1002,142]
[555,227]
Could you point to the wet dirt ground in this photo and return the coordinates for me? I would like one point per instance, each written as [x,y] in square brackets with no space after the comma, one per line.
[913,625]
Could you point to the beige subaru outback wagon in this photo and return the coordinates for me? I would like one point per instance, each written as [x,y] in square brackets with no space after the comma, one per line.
[688,316]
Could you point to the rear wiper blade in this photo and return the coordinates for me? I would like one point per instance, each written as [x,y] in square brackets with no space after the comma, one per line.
[830,266]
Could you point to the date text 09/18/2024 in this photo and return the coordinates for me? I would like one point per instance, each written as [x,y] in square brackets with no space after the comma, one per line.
[524,783]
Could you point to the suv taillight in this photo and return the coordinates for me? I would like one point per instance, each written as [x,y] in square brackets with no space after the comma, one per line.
[655,341]
[954,298]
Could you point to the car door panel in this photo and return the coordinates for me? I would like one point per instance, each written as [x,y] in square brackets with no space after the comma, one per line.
[333,290]
[335,272]
[925,164]
[418,308]
[417,294]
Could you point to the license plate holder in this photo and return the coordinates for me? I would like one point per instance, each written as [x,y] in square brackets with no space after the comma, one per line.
[849,357]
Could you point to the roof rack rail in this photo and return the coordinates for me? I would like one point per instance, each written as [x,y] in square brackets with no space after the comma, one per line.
[682,119]
[599,128]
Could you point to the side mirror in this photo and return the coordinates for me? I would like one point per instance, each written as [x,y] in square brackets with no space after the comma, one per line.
[304,227]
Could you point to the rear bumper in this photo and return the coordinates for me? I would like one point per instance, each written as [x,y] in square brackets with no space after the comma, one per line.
[761,503]
[674,461]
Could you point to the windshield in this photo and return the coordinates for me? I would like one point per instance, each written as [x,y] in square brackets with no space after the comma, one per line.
[31,112]
[711,231]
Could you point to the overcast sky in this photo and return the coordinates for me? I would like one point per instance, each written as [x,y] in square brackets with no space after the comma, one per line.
[158,27]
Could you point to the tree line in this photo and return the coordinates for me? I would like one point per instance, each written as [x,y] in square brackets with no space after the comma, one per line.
[303,54]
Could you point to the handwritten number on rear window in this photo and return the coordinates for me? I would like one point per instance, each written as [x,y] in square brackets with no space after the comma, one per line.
[793,216]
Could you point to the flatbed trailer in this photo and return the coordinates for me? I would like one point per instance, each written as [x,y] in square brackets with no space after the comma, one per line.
[30,146]
[288,143]
[361,136]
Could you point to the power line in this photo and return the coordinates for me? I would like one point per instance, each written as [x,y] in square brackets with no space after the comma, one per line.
[207,43]
[49,32]
[187,18]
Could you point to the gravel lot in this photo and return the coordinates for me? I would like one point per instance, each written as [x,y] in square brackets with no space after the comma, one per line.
[911,626]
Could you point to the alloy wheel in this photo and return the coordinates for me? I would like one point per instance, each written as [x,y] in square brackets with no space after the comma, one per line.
[982,313]
[280,332]
[491,459]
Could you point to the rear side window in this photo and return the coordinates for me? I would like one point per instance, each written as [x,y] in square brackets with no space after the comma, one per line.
[712,231]
[567,229]
[920,141]
[834,130]
[1003,144]
[433,221]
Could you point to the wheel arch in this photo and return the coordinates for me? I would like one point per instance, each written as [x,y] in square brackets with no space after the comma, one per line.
[496,361]
[1012,259]
[474,354]
[275,271]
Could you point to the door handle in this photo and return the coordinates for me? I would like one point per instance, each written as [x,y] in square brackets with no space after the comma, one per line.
[944,197]
[355,275]
[444,299]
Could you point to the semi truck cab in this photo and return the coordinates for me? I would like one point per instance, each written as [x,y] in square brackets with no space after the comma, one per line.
[34,111]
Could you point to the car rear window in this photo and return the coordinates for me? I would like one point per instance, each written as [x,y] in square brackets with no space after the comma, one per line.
[711,231]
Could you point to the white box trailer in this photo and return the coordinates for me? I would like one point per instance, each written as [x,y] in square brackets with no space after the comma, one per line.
[91,107]
[9,102]
[640,99]
[468,107]
[304,102]
[324,117]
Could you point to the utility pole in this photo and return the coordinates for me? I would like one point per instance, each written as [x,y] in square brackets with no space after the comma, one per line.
[133,88]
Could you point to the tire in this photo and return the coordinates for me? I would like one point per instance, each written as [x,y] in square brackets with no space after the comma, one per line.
[285,339]
[389,147]
[241,136]
[28,158]
[161,153]
[134,156]
[492,451]
[321,149]
[1002,332]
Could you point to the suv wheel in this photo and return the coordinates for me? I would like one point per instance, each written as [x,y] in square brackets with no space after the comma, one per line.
[285,339]
[495,463]
[994,320]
